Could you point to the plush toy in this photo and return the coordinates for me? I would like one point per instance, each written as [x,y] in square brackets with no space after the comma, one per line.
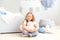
[30,25]
[45,26]
[42,25]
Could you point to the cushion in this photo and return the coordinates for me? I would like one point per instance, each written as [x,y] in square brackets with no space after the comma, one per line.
[45,23]
[2,11]
[41,30]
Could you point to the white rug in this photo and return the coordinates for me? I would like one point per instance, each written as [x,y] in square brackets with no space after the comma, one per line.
[17,36]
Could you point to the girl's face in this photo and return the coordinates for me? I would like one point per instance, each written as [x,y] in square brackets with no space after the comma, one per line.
[29,17]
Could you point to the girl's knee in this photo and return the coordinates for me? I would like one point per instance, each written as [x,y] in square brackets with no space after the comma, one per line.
[35,33]
[25,32]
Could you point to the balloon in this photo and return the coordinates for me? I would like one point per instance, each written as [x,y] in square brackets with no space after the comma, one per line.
[31,9]
[47,3]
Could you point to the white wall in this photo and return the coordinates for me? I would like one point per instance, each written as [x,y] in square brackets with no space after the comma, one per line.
[10,5]
[52,13]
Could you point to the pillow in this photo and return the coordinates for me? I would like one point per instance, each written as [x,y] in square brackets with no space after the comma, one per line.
[41,30]
[2,11]
[45,23]
[8,17]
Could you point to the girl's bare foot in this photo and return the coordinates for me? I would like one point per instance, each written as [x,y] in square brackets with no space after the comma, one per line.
[49,32]
[24,35]
[30,35]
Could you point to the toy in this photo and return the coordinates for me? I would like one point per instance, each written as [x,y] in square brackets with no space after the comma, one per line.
[30,25]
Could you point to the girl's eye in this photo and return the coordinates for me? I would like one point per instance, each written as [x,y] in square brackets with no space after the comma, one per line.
[28,16]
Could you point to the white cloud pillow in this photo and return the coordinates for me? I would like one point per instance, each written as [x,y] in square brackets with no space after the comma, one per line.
[9,17]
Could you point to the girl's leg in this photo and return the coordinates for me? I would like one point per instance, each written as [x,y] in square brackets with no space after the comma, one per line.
[33,34]
[25,33]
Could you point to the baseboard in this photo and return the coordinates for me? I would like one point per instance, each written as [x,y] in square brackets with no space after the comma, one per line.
[9,32]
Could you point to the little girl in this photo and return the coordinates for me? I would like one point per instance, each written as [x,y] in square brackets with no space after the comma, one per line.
[29,27]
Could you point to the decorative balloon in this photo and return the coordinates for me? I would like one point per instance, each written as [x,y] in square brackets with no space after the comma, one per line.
[31,9]
[47,3]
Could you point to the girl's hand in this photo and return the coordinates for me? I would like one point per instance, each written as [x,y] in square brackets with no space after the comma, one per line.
[36,27]
[24,27]
[31,30]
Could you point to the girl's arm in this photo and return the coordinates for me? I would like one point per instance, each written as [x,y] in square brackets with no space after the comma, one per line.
[36,26]
[23,26]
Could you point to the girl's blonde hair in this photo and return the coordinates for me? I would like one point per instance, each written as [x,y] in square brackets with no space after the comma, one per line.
[33,19]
